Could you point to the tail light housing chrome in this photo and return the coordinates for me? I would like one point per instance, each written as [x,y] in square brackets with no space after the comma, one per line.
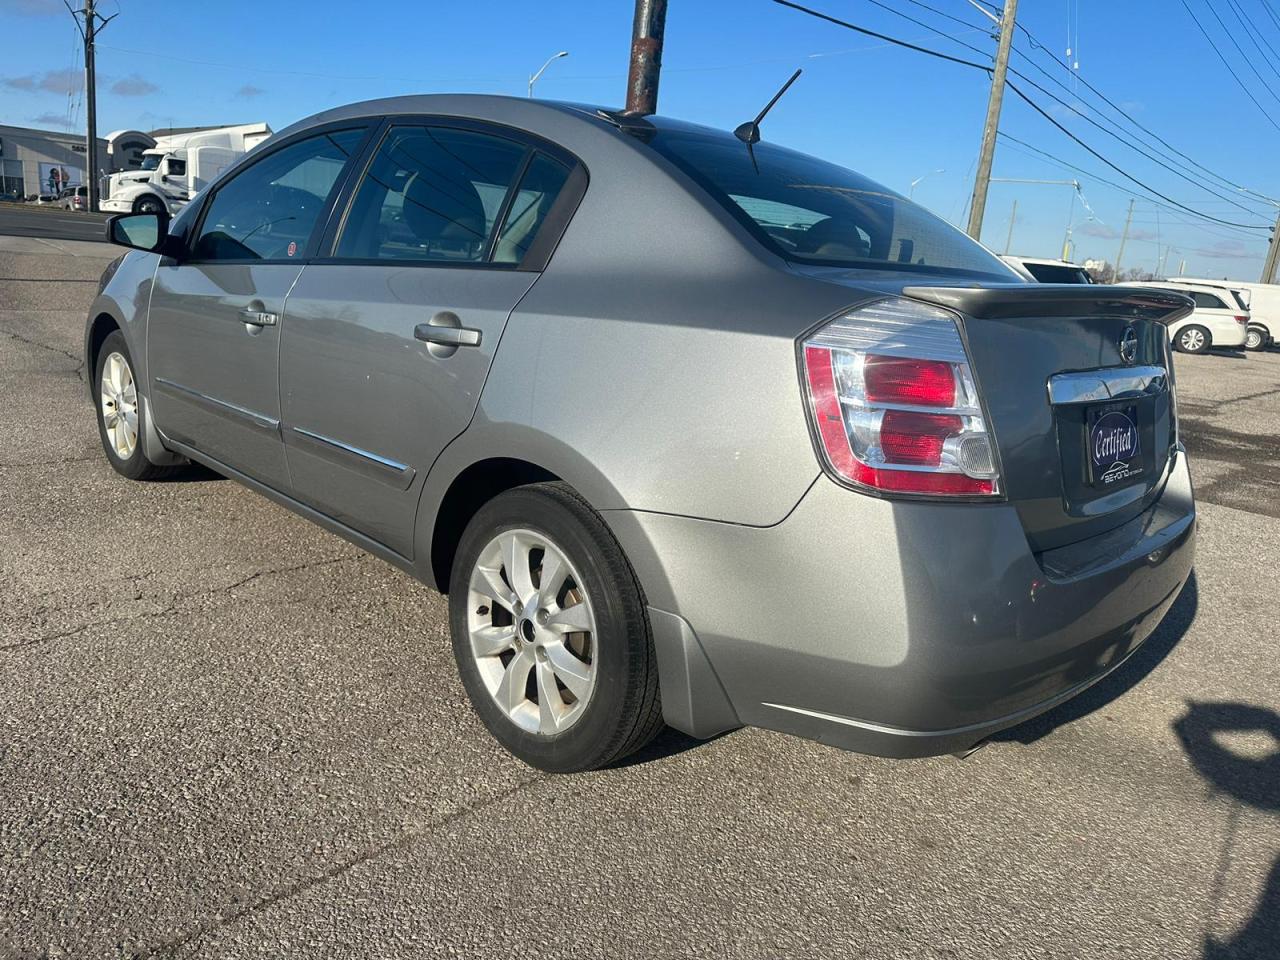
[894,403]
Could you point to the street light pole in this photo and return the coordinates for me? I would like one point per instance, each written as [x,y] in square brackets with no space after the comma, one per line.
[912,192]
[550,60]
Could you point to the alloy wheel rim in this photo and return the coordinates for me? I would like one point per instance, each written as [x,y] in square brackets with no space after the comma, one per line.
[1192,340]
[1253,339]
[118,400]
[532,632]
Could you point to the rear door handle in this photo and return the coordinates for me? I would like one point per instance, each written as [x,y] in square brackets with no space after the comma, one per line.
[444,334]
[448,336]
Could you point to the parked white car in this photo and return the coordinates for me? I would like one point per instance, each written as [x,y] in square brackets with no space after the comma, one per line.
[1048,271]
[1220,318]
[74,197]
[1263,301]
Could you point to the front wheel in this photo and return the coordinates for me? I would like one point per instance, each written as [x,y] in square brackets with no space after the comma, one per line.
[121,415]
[550,632]
[148,204]
[1193,339]
[1255,339]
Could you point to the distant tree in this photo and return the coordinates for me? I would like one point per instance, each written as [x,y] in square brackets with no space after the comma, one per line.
[1100,271]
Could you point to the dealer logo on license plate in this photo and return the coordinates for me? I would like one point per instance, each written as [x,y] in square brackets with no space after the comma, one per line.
[1114,447]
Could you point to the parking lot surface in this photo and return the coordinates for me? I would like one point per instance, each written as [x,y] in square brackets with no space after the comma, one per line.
[226,733]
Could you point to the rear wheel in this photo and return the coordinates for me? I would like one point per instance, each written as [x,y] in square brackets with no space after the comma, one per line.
[121,415]
[1193,339]
[1255,339]
[550,632]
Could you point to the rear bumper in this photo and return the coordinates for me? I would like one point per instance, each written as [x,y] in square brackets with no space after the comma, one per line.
[899,629]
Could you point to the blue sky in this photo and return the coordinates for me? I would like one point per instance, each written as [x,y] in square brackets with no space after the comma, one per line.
[889,113]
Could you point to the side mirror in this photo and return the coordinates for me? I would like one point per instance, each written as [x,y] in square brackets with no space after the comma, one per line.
[140,231]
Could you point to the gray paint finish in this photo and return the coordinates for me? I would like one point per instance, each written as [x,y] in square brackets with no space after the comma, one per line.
[352,371]
[652,366]
[221,372]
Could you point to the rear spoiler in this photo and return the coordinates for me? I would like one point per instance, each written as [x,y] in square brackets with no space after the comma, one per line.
[1014,300]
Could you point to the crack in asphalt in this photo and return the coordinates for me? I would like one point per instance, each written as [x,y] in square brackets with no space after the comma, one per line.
[50,463]
[174,605]
[281,894]
[79,361]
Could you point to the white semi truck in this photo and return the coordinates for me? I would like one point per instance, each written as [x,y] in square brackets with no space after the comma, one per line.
[178,167]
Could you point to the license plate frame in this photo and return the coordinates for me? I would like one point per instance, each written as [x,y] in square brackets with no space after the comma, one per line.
[1114,455]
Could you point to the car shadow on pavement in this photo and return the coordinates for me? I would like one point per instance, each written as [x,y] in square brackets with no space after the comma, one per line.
[668,743]
[190,473]
[1128,675]
[1251,780]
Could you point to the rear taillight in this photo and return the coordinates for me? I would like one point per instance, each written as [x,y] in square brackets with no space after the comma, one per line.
[1243,321]
[894,402]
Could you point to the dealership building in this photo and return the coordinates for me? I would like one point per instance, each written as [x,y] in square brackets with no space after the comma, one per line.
[34,162]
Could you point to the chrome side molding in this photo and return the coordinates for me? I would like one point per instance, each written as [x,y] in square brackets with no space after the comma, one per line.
[221,407]
[1111,383]
[392,472]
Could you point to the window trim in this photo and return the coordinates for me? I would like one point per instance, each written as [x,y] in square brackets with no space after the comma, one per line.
[549,233]
[363,124]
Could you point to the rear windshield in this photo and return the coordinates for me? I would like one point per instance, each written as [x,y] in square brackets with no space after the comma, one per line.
[1052,273]
[810,211]
[1240,299]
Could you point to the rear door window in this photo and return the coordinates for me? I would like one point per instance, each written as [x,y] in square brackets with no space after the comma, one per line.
[538,190]
[431,194]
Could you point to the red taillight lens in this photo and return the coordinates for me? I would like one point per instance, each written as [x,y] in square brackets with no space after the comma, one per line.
[916,438]
[906,380]
[1243,321]
[895,405]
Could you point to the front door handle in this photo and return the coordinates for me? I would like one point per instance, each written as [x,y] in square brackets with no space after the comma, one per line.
[444,334]
[258,318]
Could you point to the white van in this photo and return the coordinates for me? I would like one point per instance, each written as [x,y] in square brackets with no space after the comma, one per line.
[1263,300]
[1220,318]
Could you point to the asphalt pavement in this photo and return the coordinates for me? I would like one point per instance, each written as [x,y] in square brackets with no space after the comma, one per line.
[50,222]
[227,733]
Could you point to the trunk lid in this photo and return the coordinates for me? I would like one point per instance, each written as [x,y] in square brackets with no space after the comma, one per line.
[1077,382]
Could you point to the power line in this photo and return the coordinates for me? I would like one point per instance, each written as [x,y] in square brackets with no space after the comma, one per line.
[1196,182]
[1225,63]
[1037,153]
[1240,50]
[969,63]
[1255,36]
[1181,206]
[1039,45]
[881,36]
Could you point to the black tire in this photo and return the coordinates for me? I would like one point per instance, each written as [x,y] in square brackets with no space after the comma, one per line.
[1187,333]
[624,711]
[136,466]
[1255,339]
[148,204]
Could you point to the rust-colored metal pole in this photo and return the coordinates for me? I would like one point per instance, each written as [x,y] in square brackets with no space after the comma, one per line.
[646,56]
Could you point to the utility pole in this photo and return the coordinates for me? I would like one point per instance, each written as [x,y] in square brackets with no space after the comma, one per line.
[1124,238]
[646,56]
[1008,241]
[89,30]
[982,180]
[1273,254]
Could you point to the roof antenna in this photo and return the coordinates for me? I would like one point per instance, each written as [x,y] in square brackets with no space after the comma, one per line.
[749,132]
